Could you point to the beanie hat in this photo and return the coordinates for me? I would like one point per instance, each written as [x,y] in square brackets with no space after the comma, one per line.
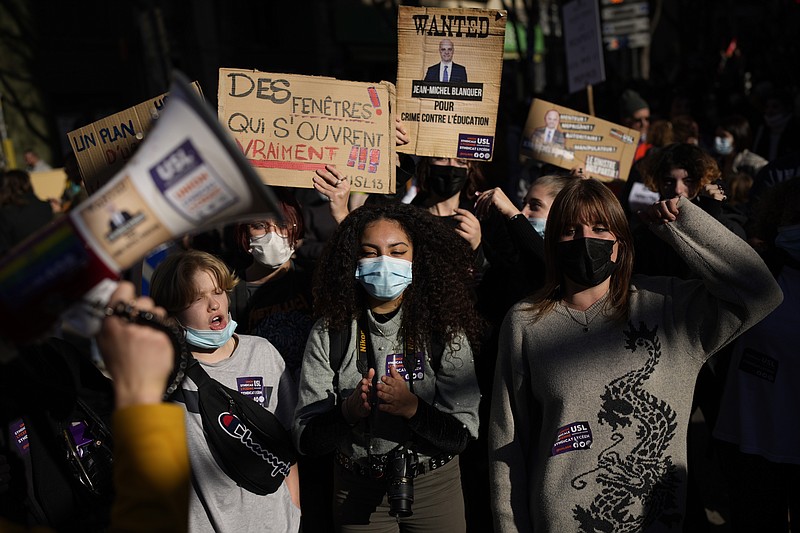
[630,102]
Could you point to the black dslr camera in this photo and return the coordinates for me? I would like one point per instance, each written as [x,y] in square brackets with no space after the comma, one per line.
[400,468]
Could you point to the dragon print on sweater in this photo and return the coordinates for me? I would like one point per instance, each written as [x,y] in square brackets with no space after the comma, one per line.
[636,488]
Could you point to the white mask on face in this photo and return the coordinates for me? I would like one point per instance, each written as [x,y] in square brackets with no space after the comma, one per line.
[271,250]
[723,145]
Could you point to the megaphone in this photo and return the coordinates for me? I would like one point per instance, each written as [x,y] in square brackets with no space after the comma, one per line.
[187,175]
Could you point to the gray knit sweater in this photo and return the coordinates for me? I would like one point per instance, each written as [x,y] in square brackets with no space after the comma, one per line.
[453,389]
[588,423]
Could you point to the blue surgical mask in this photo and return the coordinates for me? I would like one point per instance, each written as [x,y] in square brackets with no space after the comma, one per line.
[538,224]
[384,277]
[723,145]
[209,338]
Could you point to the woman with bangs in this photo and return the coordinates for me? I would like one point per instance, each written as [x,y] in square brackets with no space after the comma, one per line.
[594,380]
[193,287]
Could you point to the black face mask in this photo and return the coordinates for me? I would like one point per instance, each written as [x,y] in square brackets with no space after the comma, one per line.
[587,261]
[445,181]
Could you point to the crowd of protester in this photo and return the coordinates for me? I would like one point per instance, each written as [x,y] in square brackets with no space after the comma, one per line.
[452,357]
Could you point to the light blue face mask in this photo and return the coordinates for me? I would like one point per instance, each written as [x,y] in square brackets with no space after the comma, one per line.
[723,145]
[384,277]
[538,224]
[209,338]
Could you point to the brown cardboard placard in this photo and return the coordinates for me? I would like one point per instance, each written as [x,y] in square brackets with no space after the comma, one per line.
[288,125]
[103,147]
[456,117]
[570,139]
[49,183]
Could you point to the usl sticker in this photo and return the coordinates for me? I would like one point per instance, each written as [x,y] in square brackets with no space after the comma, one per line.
[575,436]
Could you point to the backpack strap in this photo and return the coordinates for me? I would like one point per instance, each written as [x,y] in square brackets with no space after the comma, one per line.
[437,350]
[239,305]
[195,371]
[338,342]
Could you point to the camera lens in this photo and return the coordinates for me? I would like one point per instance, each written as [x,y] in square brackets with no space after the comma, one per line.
[401,496]
[400,491]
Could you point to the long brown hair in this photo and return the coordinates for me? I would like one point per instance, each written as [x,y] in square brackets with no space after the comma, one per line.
[586,201]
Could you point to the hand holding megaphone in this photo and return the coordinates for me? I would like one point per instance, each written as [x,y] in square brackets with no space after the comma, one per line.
[187,175]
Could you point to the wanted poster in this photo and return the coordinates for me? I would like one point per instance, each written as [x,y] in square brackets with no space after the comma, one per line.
[570,139]
[287,126]
[448,80]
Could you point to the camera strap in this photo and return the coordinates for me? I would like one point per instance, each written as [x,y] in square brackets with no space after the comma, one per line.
[366,360]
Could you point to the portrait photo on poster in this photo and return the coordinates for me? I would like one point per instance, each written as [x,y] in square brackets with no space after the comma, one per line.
[570,139]
[447,71]
[448,79]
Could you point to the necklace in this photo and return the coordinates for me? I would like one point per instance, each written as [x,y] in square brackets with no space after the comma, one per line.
[586,320]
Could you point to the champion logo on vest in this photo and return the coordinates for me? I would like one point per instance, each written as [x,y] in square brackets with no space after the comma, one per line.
[236,429]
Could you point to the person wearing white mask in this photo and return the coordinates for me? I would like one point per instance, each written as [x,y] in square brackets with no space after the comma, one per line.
[193,287]
[732,142]
[274,301]
[394,282]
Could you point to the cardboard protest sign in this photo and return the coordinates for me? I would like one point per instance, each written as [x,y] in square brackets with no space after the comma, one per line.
[569,139]
[289,125]
[448,79]
[49,183]
[105,146]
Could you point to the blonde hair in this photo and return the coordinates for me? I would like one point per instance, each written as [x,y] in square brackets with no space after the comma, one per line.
[172,287]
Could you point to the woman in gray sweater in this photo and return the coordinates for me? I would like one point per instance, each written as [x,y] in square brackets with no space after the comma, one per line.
[594,378]
[388,381]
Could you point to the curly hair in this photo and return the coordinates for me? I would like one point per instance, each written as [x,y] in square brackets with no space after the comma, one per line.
[659,163]
[439,301]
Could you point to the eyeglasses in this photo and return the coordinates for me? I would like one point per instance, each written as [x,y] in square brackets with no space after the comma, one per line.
[269,227]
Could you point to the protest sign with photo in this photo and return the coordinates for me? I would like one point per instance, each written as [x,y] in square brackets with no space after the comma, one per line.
[105,146]
[448,79]
[570,139]
[287,126]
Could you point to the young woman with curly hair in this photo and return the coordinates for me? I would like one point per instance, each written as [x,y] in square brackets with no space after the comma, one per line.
[394,282]
[681,170]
